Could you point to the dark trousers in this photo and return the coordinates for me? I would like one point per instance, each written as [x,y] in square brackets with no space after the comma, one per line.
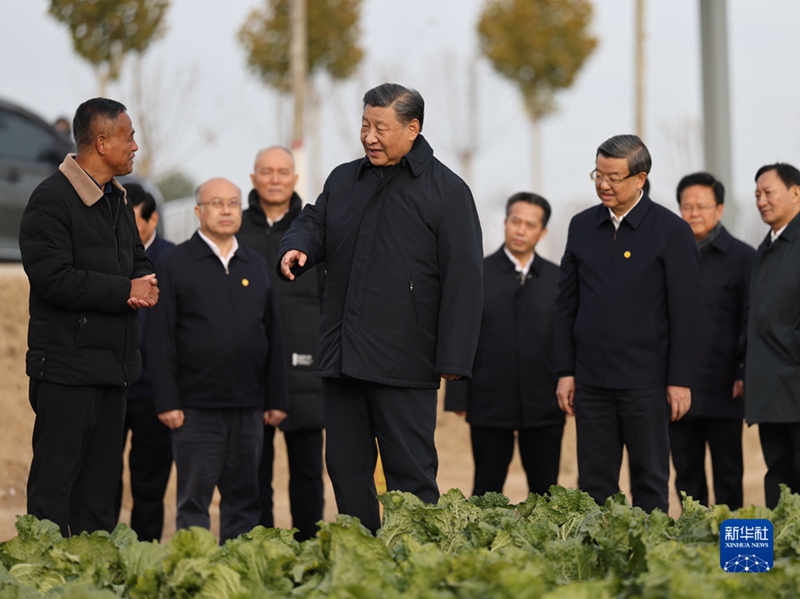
[402,420]
[77,441]
[219,448]
[780,444]
[688,438]
[493,448]
[306,491]
[149,464]
[608,419]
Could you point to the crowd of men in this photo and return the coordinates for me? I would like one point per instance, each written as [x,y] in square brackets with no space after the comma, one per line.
[659,333]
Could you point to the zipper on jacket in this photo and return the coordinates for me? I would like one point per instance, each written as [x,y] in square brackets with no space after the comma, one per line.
[413,299]
[114,217]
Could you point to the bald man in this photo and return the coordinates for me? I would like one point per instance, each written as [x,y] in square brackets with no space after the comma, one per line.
[273,206]
[217,364]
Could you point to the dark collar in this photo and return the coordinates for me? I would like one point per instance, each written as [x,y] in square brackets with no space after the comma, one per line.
[721,241]
[789,235]
[416,160]
[256,212]
[634,218]
[711,237]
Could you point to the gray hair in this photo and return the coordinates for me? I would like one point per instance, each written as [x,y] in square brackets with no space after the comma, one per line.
[407,103]
[265,150]
[629,147]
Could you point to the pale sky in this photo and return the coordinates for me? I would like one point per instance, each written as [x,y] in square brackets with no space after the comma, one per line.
[216,127]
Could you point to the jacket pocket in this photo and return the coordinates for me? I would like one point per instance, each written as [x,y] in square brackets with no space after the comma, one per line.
[101,331]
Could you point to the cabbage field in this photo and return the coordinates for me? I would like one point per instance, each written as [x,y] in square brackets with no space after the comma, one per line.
[560,545]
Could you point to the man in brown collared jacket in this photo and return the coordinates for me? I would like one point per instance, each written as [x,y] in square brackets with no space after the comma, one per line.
[88,274]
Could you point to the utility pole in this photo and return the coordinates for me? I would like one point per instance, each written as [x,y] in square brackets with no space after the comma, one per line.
[716,95]
[299,65]
[640,68]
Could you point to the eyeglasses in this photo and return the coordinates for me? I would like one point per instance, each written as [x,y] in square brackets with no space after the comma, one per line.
[687,208]
[218,203]
[612,180]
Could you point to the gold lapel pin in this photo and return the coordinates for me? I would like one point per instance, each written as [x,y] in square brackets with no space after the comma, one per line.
[245,282]
[627,254]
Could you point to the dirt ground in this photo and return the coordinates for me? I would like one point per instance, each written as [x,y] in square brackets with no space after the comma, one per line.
[455,460]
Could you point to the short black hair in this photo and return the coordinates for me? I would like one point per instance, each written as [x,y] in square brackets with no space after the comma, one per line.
[89,116]
[530,198]
[407,103]
[706,180]
[138,195]
[787,173]
[629,147]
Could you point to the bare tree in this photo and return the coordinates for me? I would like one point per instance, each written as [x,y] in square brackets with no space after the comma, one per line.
[684,148]
[162,115]
[463,110]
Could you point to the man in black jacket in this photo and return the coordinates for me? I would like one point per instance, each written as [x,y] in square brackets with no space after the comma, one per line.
[88,274]
[273,207]
[772,364]
[625,326]
[217,364]
[401,241]
[513,385]
[715,417]
[150,455]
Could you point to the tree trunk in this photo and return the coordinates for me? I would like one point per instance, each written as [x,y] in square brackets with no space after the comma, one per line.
[640,45]
[299,63]
[537,170]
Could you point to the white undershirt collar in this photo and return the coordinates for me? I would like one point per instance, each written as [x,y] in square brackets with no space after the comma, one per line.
[522,270]
[617,221]
[226,260]
[773,235]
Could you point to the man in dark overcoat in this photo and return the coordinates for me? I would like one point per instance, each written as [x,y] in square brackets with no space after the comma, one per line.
[626,321]
[772,363]
[717,412]
[512,392]
[401,241]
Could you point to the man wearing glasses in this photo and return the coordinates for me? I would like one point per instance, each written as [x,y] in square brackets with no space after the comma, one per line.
[626,316]
[218,369]
[715,417]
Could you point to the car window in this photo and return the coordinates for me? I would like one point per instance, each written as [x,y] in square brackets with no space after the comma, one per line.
[24,139]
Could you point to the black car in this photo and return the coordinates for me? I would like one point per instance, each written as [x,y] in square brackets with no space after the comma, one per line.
[30,151]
